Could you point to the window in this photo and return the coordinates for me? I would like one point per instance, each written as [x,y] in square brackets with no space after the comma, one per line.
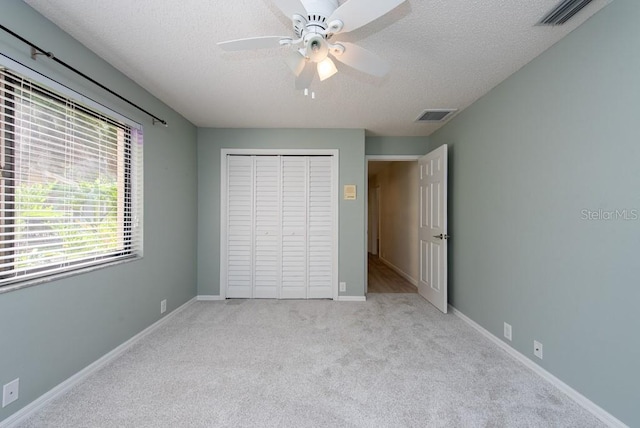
[71,184]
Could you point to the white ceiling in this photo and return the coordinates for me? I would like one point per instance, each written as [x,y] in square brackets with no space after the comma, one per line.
[443,54]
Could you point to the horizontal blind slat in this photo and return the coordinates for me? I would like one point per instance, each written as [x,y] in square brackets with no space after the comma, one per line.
[52,269]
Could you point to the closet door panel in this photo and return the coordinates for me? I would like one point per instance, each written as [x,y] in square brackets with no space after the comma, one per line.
[320,228]
[239,227]
[267,227]
[294,227]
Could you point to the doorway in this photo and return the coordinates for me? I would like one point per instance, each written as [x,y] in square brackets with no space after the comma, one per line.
[392,224]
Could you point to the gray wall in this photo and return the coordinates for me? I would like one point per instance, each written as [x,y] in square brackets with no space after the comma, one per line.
[51,331]
[350,143]
[396,145]
[558,137]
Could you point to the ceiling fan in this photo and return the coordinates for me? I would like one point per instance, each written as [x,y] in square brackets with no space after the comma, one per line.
[315,22]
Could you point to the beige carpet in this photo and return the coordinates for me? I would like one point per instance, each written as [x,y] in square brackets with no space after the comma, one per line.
[392,361]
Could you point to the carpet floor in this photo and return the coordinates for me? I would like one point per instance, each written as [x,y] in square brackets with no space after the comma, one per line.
[392,361]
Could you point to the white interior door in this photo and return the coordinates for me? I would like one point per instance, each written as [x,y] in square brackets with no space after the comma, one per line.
[432,283]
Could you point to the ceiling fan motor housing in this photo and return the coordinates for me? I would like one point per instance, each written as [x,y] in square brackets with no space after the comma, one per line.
[316,21]
[314,31]
[320,8]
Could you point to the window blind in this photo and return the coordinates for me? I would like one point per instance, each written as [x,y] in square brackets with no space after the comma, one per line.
[71,184]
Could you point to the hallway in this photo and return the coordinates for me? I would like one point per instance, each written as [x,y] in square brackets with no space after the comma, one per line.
[383,279]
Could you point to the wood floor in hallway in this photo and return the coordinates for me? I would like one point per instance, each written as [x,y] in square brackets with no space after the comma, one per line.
[383,279]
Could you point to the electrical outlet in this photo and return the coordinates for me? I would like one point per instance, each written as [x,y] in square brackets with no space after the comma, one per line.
[537,349]
[10,392]
[507,331]
[163,306]
[343,286]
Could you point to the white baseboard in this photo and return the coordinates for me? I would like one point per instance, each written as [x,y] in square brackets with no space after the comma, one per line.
[340,299]
[22,414]
[204,297]
[352,299]
[580,399]
[399,271]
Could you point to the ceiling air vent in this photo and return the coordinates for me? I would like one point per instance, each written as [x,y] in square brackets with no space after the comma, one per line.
[436,115]
[563,12]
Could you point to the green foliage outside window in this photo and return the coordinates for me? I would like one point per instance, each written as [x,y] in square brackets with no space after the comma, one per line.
[71,229]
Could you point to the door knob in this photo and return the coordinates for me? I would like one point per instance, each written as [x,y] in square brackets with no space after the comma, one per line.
[441,236]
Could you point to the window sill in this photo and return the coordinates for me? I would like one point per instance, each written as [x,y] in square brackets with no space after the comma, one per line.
[45,279]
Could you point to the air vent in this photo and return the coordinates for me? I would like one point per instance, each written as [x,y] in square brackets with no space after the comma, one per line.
[436,115]
[563,12]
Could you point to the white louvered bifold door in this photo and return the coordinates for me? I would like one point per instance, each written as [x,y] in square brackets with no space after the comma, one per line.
[320,228]
[239,227]
[294,227]
[266,272]
[280,227]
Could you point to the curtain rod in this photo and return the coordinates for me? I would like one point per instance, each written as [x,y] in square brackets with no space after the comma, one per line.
[35,50]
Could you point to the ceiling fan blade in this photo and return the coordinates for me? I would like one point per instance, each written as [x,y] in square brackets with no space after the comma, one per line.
[291,7]
[252,43]
[305,78]
[362,59]
[296,62]
[356,13]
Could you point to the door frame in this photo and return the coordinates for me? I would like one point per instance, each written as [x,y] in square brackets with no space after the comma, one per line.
[376,158]
[335,163]
[374,209]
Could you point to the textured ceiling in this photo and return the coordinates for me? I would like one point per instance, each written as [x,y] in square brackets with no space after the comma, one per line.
[443,54]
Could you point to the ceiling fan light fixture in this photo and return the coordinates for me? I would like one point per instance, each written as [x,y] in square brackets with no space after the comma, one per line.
[296,62]
[316,47]
[326,68]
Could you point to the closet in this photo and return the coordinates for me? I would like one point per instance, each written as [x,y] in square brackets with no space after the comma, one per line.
[279,241]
